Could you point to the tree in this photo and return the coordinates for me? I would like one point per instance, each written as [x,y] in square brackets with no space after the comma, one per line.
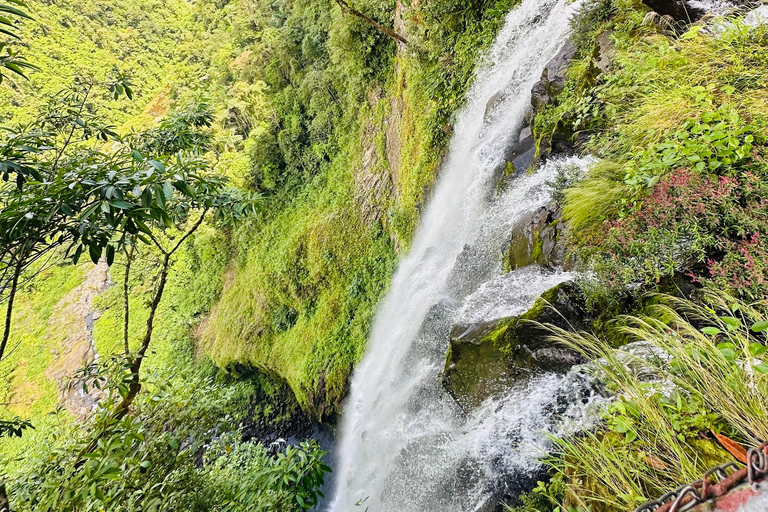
[385,30]
[52,170]
[10,59]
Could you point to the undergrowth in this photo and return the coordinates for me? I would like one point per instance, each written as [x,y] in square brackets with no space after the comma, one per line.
[678,120]
[345,141]
[698,370]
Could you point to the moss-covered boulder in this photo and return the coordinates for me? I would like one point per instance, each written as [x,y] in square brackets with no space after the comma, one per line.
[537,238]
[487,358]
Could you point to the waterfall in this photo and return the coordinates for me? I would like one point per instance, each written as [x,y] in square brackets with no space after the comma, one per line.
[404,444]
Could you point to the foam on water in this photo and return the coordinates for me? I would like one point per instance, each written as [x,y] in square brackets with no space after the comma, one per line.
[404,444]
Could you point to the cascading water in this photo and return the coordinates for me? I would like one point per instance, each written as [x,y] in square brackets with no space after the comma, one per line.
[405,445]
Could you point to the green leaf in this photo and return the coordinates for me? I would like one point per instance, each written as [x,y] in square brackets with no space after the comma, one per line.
[756,349]
[730,322]
[712,331]
[146,198]
[160,196]
[123,205]
[130,227]
[761,368]
[157,165]
[184,188]
[728,353]
[759,326]
[110,254]
[94,250]
[620,425]
[77,254]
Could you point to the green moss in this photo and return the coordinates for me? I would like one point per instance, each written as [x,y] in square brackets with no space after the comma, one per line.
[37,330]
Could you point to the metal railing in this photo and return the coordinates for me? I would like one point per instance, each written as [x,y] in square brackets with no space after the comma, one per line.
[713,484]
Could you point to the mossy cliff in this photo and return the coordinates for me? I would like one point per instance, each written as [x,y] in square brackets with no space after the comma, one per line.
[361,125]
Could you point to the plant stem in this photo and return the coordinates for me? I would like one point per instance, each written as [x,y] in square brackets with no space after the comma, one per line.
[126,307]
[388,31]
[9,307]
[135,385]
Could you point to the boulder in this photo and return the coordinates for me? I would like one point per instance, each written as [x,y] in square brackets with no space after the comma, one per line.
[517,159]
[473,267]
[679,10]
[537,238]
[492,104]
[486,358]
[552,78]
[520,157]
[605,49]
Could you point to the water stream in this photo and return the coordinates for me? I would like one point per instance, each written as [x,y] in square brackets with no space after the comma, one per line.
[404,444]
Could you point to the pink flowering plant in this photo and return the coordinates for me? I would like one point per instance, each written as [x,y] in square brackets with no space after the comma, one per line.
[699,206]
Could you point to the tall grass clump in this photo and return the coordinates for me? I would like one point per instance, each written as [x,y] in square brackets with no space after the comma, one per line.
[698,370]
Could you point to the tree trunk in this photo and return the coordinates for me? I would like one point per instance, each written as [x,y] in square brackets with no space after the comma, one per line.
[388,31]
[5,505]
[135,385]
[9,308]
[126,312]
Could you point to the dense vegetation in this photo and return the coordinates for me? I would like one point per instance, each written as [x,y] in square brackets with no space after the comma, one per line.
[140,116]
[338,133]
[326,110]
[676,203]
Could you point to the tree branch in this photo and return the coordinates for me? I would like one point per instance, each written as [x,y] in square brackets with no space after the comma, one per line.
[126,307]
[72,131]
[9,307]
[388,31]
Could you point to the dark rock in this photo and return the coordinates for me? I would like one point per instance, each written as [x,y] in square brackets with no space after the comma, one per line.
[525,133]
[472,268]
[536,238]
[274,413]
[487,358]
[492,104]
[679,10]
[518,158]
[605,49]
[552,78]
[521,156]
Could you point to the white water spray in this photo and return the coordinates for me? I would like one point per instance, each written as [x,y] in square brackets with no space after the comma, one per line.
[404,444]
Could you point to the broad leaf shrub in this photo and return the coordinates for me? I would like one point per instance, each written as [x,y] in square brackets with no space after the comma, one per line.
[680,123]
[711,227]
[179,450]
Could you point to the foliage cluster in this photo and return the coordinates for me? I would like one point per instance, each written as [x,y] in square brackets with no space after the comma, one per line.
[700,370]
[74,38]
[176,451]
[679,120]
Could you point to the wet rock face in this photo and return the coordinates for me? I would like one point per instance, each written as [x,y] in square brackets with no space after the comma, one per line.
[677,9]
[605,49]
[473,266]
[487,358]
[538,238]
[552,78]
